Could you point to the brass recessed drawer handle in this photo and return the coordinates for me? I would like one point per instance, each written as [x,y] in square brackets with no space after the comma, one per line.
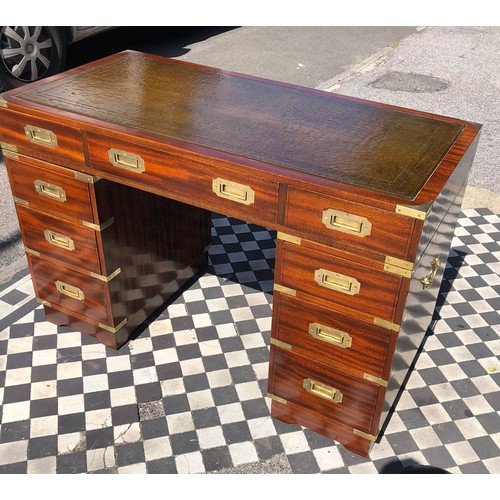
[70,290]
[337,282]
[322,390]
[330,335]
[429,279]
[126,160]
[59,240]
[41,136]
[346,223]
[50,191]
[233,191]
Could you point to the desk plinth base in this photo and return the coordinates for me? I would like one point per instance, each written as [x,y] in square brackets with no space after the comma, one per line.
[293,414]
[138,320]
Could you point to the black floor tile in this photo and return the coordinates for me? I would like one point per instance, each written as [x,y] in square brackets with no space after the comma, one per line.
[72,463]
[14,431]
[184,442]
[129,453]
[303,463]
[236,432]
[268,447]
[126,414]
[162,466]
[74,422]
[154,428]
[216,458]
[206,417]
[45,446]
[100,438]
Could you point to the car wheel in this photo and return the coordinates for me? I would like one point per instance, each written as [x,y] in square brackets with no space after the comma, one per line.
[29,53]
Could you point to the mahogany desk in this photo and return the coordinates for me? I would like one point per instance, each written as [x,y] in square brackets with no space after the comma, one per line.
[115,167]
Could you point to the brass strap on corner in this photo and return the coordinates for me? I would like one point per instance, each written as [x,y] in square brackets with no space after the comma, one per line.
[24,203]
[386,324]
[89,179]
[398,266]
[98,227]
[106,279]
[285,290]
[9,150]
[288,237]
[364,435]
[276,398]
[113,329]
[3,102]
[280,344]
[375,380]
[32,252]
[418,212]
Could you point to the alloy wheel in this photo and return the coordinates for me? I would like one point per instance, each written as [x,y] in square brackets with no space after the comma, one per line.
[26,51]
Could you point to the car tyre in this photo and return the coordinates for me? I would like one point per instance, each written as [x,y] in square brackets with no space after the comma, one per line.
[30,53]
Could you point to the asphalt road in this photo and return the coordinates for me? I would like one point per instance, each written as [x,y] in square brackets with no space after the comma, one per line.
[301,55]
[446,70]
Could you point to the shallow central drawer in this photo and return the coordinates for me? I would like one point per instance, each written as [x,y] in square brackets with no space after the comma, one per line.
[208,185]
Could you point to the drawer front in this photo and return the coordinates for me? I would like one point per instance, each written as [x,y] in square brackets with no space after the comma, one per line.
[329,392]
[49,187]
[335,279]
[70,290]
[332,337]
[327,219]
[70,243]
[43,139]
[212,187]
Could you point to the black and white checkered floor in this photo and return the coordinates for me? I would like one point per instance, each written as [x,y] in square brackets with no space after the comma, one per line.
[188,394]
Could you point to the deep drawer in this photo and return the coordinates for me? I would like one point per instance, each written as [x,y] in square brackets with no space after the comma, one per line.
[333,394]
[328,219]
[70,243]
[69,290]
[43,139]
[332,278]
[208,186]
[332,337]
[50,187]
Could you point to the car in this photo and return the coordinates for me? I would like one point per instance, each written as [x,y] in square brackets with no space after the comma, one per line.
[29,53]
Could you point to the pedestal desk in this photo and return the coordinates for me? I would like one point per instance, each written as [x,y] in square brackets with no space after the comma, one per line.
[116,166]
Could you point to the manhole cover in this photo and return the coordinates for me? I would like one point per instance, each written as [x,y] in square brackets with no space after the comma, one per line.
[410,82]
